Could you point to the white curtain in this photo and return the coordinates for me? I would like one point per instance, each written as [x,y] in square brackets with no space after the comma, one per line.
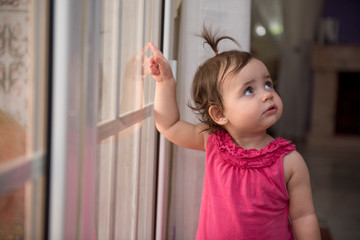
[292,24]
[231,17]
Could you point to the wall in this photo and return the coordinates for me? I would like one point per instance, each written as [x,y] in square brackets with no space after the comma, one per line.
[188,166]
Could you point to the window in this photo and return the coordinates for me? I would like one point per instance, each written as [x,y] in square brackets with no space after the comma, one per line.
[103,132]
[101,138]
[126,131]
[23,115]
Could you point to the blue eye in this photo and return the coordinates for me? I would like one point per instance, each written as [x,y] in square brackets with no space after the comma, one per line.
[248,91]
[268,85]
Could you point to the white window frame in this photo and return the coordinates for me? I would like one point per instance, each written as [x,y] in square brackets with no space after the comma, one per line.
[75,131]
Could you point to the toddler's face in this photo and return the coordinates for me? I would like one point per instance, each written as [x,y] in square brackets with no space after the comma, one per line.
[251,104]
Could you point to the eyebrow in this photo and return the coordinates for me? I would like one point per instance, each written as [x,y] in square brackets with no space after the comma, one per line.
[267,76]
[248,83]
[253,80]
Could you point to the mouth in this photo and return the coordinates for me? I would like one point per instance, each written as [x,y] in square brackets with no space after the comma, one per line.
[271,109]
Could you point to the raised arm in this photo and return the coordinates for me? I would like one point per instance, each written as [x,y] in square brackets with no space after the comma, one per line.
[301,209]
[167,116]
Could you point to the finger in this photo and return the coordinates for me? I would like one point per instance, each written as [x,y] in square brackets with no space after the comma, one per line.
[152,60]
[161,62]
[155,51]
[141,53]
[153,65]
[158,56]
[154,70]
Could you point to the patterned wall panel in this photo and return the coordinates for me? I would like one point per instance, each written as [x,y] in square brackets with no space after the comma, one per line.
[15,36]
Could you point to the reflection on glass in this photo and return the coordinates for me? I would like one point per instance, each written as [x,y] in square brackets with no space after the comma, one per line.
[14,72]
[131,90]
[12,138]
[12,145]
[119,155]
[127,135]
[22,113]
[12,215]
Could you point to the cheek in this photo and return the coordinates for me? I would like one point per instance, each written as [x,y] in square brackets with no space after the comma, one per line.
[279,105]
[238,112]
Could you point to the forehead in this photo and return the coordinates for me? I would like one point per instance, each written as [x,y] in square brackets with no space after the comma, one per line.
[254,69]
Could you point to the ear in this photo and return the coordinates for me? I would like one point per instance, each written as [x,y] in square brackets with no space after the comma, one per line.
[217,115]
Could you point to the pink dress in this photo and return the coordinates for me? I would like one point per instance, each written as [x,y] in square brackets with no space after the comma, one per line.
[244,194]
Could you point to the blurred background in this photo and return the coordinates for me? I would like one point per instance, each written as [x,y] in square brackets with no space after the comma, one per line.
[314,56]
[80,157]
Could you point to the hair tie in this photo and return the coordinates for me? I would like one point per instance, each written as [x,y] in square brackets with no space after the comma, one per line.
[216,53]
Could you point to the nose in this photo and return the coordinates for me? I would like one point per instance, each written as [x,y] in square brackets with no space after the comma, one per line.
[267,96]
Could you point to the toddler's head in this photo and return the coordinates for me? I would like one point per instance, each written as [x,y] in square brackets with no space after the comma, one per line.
[234,91]
[207,86]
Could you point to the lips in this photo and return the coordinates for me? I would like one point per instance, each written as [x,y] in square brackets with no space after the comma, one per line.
[271,109]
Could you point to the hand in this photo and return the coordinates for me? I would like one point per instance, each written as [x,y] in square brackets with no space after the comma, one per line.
[135,68]
[159,67]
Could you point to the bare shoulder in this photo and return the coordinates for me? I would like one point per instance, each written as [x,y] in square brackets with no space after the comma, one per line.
[293,163]
[204,133]
[187,135]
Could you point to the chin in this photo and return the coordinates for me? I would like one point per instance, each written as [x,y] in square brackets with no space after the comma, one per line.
[272,123]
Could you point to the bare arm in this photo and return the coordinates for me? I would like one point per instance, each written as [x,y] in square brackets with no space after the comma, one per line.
[167,116]
[301,209]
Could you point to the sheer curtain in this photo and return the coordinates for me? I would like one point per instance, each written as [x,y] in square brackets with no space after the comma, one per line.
[292,25]
[232,18]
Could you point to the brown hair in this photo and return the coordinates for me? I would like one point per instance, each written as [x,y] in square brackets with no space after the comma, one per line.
[208,79]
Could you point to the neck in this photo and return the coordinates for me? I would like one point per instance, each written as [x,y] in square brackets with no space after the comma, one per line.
[257,142]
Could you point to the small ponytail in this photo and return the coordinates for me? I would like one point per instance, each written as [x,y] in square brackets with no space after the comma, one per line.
[209,78]
[213,39]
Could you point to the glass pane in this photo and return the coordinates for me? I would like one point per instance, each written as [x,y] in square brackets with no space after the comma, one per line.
[135,182]
[104,188]
[126,159]
[23,64]
[12,217]
[127,187]
[12,138]
[108,60]
[147,180]
[22,73]
[15,75]
[123,56]
[22,212]
[132,56]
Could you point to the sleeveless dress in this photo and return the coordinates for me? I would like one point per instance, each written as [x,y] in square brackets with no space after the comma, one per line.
[244,194]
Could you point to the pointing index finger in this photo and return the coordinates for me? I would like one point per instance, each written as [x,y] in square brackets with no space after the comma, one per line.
[156,51]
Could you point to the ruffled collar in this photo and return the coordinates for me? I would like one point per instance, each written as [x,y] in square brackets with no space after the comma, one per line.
[250,158]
